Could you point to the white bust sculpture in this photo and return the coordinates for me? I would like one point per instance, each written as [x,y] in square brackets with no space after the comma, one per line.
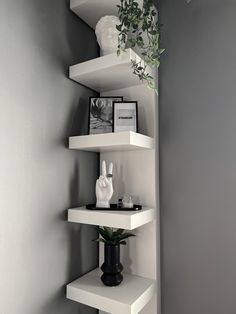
[107,34]
[104,187]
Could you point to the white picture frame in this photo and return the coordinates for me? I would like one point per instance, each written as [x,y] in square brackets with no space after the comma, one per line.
[125,116]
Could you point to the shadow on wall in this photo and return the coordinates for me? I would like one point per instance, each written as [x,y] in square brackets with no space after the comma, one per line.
[78,119]
[78,44]
[82,251]
[58,38]
[82,257]
[73,45]
[80,238]
[58,301]
[79,232]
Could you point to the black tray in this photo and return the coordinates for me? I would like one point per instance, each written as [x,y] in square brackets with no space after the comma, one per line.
[114,207]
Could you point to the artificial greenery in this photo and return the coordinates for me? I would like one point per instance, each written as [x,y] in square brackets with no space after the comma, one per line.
[112,236]
[139,28]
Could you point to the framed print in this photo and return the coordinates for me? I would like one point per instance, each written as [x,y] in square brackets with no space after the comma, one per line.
[101,114]
[125,116]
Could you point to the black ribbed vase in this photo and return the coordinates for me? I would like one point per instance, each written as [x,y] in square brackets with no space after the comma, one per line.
[112,266]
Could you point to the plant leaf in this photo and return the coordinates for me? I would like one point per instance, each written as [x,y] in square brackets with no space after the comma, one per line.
[100,240]
[126,236]
[109,232]
[103,233]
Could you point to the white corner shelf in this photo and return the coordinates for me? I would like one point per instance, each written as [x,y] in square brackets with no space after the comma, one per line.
[111,142]
[106,73]
[128,220]
[127,298]
[90,11]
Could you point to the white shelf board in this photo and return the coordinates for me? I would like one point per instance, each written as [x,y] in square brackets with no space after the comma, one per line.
[90,11]
[106,73]
[111,142]
[128,220]
[127,298]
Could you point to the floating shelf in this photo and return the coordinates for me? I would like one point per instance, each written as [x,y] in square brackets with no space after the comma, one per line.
[117,219]
[128,298]
[111,142]
[90,11]
[106,73]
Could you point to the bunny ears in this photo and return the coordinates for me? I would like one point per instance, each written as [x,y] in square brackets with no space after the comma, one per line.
[104,170]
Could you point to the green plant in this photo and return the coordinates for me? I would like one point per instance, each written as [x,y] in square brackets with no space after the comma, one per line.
[139,28]
[112,236]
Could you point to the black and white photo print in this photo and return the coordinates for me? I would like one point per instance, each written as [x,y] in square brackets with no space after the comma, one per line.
[101,114]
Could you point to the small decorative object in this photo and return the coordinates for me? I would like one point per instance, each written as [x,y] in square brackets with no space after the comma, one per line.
[112,266]
[139,28]
[104,186]
[101,114]
[125,116]
[128,202]
[120,203]
[107,34]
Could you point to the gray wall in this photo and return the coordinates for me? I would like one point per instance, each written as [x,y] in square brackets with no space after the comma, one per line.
[39,177]
[198,157]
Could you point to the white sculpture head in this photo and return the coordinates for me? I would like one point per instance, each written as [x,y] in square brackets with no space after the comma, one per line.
[107,34]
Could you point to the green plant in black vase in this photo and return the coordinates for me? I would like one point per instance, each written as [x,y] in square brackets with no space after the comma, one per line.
[139,27]
[112,267]
[111,236]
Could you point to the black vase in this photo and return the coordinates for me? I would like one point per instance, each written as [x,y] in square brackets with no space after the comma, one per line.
[112,266]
